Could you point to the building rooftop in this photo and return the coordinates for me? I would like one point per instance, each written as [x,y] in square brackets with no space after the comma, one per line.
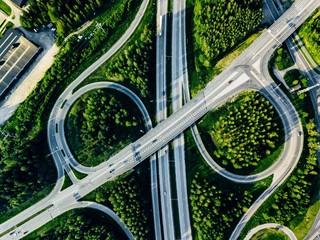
[18,2]
[15,54]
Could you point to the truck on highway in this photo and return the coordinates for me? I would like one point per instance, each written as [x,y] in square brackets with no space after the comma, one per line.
[160,26]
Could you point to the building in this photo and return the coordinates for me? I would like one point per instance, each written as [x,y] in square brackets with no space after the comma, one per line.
[295,88]
[15,54]
[19,3]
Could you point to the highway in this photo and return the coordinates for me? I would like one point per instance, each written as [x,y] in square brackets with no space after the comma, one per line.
[216,92]
[161,95]
[162,184]
[178,77]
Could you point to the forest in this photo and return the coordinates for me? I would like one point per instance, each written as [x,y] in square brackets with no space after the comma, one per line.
[66,15]
[84,224]
[130,197]
[212,213]
[210,197]
[136,63]
[100,123]
[244,132]
[27,174]
[221,25]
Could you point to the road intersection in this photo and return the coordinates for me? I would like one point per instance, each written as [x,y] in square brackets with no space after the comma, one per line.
[248,71]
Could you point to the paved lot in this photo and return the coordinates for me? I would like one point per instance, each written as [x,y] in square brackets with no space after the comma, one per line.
[32,75]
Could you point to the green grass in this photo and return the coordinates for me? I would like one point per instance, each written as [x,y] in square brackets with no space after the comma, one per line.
[197,85]
[225,61]
[269,160]
[5,8]
[310,37]
[79,175]
[270,234]
[303,227]
[198,80]
[67,182]
[8,25]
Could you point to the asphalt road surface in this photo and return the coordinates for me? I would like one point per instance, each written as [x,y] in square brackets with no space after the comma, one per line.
[178,77]
[216,92]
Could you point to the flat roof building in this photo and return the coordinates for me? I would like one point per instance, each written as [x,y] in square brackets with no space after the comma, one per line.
[18,2]
[15,54]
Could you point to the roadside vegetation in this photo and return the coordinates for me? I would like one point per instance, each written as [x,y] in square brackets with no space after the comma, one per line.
[289,205]
[67,16]
[294,77]
[270,234]
[83,224]
[134,66]
[217,28]
[309,33]
[130,197]
[67,181]
[8,25]
[5,8]
[282,59]
[101,123]
[211,197]
[28,173]
[244,134]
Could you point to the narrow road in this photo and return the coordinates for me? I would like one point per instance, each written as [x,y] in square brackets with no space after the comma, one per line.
[284,229]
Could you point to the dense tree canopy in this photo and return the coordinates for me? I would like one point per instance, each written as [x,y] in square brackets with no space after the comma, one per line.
[100,123]
[80,224]
[65,14]
[245,132]
[214,209]
[220,25]
[134,64]
[130,198]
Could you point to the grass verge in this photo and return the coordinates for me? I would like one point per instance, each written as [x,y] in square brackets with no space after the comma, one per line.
[67,182]
[270,234]
[79,175]
[5,8]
